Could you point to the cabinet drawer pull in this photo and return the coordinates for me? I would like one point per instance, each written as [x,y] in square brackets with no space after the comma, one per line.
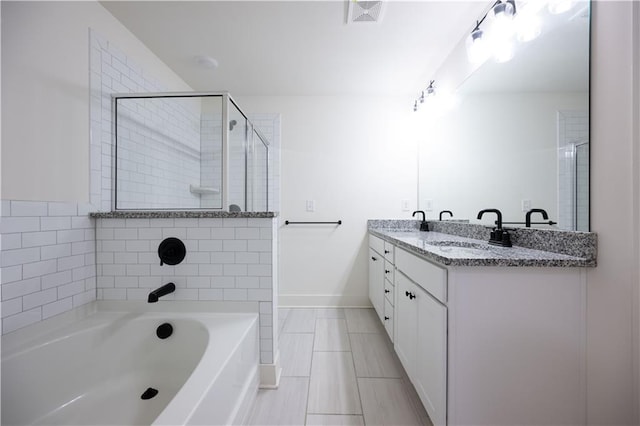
[386,291]
[373,258]
[386,318]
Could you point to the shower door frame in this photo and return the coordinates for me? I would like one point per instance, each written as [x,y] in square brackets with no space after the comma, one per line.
[224,188]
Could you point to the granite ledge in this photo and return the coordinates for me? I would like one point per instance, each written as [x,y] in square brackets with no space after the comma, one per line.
[180,214]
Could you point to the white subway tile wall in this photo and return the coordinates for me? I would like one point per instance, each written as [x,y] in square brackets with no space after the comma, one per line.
[227,260]
[158,153]
[48,257]
[573,166]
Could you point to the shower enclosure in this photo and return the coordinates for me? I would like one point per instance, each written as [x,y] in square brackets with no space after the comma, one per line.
[178,151]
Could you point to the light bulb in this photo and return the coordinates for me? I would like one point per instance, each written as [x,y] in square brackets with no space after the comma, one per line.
[560,6]
[502,50]
[502,20]
[528,27]
[477,50]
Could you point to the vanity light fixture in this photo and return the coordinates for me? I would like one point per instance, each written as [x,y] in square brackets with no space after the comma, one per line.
[431,91]
[497,38]
[428,92]
[496,33]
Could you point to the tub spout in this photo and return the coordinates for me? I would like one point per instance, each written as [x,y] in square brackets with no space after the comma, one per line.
[161,291]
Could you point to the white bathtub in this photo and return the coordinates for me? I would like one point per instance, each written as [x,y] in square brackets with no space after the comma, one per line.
[94,371]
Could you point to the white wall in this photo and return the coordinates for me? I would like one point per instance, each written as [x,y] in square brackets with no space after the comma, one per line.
[45,81]
[356,158]
[612,285]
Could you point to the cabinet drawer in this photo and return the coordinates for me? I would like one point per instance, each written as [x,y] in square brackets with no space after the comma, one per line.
[424,273]
[389,251]
[389,271]
[377,244]
[388,319]
[389,292]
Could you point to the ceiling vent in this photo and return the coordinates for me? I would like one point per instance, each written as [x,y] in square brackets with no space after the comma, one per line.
[364,11]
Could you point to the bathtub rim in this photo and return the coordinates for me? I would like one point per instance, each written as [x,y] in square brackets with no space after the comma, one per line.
[23,338]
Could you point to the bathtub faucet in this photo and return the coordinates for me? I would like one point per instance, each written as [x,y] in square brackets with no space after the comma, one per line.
[161,291]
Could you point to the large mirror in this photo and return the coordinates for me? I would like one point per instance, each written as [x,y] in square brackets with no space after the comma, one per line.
[517,135]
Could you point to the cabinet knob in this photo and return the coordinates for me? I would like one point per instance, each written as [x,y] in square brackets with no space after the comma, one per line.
[386,271]
[373,258]
[387,252]
[386,291]
[406,293]
[412,296]
[386,318]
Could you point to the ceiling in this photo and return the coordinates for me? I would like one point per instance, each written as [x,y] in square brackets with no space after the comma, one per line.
[267,48]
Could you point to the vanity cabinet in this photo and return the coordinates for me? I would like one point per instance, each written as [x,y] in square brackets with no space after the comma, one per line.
[490,345]
[382,280]
[421,336]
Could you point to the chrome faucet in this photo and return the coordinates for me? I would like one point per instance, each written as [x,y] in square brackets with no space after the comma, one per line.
[161,291]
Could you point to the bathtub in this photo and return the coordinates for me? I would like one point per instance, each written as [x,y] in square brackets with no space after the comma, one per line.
[94,371]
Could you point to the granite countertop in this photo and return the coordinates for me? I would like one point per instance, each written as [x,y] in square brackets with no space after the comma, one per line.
[453,250]
[179,214]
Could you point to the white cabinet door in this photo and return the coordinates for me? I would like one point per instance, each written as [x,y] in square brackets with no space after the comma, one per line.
[406,318]
[376,282]
[431,360]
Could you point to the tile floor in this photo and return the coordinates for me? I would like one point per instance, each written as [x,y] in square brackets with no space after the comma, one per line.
[338,368]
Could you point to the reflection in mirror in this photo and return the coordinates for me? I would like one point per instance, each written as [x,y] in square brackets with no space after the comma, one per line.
[517,135]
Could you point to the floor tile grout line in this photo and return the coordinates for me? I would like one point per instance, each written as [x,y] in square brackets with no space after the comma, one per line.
[313,344]
[357,382]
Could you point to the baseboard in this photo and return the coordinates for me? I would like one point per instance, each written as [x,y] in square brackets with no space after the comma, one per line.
[270,375]
[323,301]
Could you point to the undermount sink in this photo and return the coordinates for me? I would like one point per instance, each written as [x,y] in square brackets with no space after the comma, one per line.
[459,244]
